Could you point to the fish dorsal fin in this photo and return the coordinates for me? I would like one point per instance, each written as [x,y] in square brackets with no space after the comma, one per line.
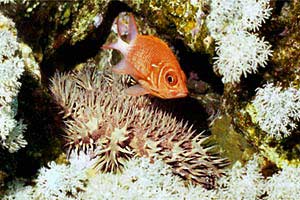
[136,90]
[132,29]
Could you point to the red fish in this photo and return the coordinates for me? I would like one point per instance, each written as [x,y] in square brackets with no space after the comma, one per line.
[151,63]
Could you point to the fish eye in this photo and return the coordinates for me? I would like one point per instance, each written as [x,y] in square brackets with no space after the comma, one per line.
[171,79]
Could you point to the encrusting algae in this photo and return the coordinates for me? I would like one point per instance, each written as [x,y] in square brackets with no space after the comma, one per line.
[102,120]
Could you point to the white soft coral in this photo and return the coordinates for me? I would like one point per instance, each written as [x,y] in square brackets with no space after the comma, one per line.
[277,109]
[229,16]
[238,51]
[11,69]
[240,54]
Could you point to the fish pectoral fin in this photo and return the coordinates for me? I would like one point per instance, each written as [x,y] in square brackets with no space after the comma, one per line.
[132,29]
[122,67]
[136,90]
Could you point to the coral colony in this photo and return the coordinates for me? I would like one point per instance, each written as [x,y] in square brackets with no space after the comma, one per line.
[143,179]
[7,1]
[277,109]
[98,115]
[239,51]
[11,69]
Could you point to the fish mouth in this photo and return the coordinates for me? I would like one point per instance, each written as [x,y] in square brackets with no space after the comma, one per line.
[172,94]
[181,94]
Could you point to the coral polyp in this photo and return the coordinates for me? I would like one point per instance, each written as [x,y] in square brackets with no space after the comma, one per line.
[100,118]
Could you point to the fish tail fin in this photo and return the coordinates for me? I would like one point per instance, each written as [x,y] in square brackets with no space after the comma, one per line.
[120,45]
[132,29]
